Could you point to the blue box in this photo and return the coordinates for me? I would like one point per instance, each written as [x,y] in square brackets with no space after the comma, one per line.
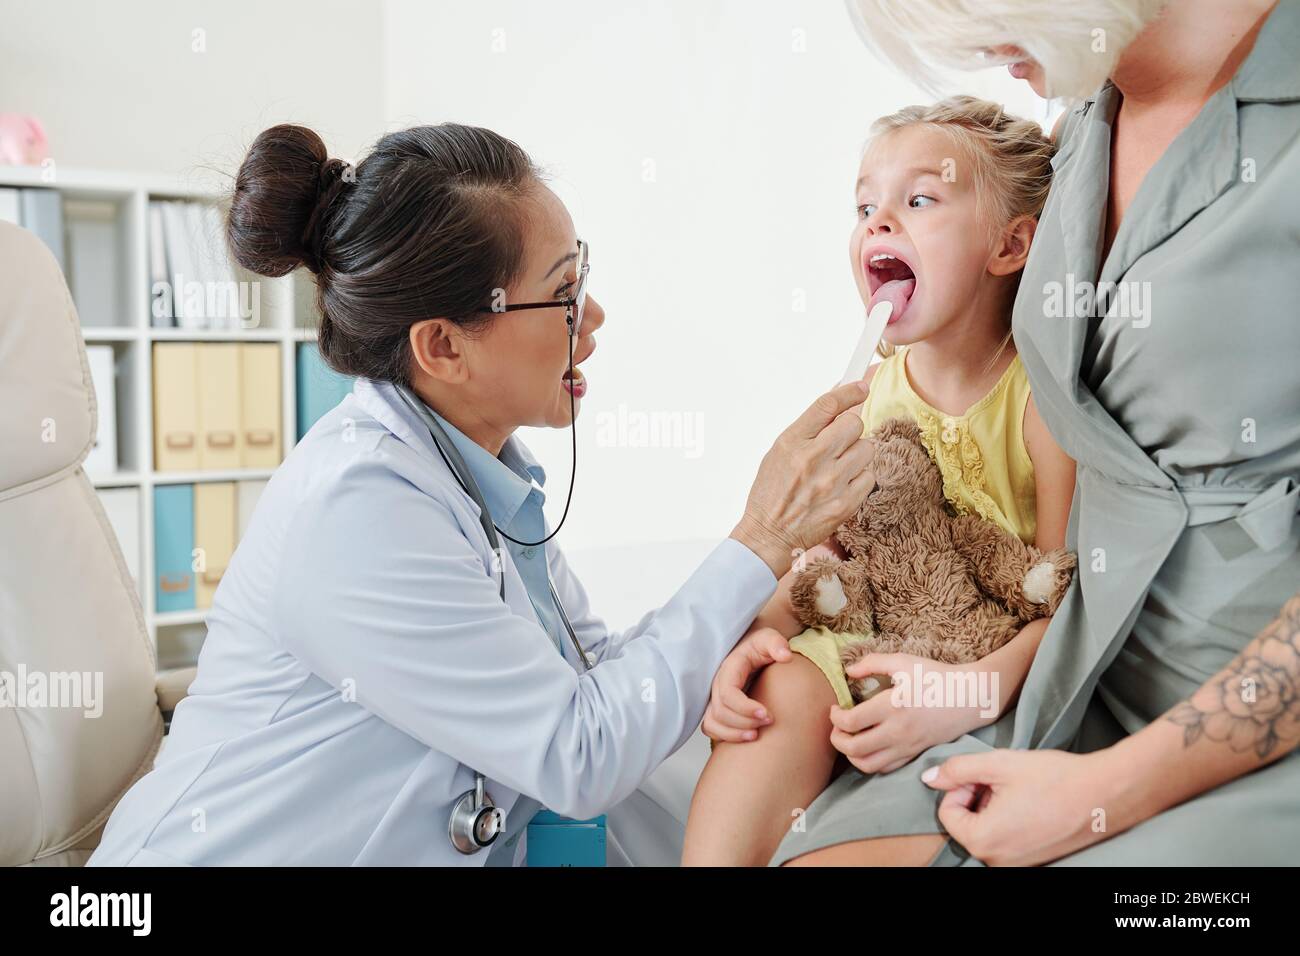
[554,840]
[173,535]
[320,388]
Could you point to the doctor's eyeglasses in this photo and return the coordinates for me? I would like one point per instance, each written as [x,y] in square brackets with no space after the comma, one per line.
[573,305]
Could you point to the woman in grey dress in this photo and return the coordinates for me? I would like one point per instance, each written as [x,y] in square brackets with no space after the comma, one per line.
[1157,318]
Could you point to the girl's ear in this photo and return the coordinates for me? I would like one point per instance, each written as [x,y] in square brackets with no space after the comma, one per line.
[438,349]
[1013,246]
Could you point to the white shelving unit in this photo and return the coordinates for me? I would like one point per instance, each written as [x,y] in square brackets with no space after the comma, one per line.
[287,318]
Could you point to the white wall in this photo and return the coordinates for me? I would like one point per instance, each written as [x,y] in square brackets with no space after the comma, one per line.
[707,152]
[120,85]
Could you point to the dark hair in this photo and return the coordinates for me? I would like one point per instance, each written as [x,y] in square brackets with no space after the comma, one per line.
[428,225]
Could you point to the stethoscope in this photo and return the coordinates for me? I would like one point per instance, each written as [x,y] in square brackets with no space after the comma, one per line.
[476,821]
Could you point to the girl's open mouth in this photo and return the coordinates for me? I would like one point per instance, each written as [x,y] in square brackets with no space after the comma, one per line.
[575,385]
[890,279]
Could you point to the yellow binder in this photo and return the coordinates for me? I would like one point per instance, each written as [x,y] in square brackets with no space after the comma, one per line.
[220,440]
[214,533]
[175,410]
[260,404]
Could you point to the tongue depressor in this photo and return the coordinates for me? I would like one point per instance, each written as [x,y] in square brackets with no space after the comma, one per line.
[872,330]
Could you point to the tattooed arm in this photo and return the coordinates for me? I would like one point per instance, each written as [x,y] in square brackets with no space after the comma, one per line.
[1246,716]
[1022,807]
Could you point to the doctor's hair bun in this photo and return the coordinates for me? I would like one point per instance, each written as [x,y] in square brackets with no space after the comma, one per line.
[281,191]
[429,225]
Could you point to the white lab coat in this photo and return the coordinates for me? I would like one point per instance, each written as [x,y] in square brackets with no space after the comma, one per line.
[360,664]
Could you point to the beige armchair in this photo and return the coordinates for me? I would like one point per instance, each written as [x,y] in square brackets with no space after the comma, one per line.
[70,615]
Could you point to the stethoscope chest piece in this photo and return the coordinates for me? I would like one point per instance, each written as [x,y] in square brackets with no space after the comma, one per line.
[475,821]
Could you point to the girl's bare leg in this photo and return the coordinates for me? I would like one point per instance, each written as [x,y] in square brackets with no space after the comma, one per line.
[749,792]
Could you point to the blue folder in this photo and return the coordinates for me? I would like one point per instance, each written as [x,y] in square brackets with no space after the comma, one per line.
[320,388]
[173,530]
[554,840]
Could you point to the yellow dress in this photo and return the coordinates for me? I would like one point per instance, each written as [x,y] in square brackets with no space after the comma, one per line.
[982,456]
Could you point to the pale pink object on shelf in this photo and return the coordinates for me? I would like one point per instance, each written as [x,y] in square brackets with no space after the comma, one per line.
[22,140]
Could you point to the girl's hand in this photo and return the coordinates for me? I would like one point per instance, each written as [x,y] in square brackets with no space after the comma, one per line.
[885,732]
[1024,807]
[732,716]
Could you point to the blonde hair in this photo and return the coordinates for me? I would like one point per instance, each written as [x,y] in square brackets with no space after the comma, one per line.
[1077,42]
[1010,159]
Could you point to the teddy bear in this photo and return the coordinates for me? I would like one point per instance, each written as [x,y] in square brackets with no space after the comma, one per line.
[919,578]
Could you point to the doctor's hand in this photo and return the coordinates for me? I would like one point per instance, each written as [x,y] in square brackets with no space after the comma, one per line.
[812,479]
[731,715]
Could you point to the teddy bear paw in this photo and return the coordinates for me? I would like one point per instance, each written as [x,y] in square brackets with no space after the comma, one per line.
[864,688]
[830,597]
[1040,582]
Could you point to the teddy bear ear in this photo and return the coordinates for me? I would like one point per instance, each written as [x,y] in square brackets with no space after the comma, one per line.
[898,428]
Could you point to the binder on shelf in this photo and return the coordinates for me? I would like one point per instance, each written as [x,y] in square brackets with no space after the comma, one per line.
[260,419]
[181,264]
[188,240]
[214,536]
[42,213]
[10,206]
[320,388]
[173,522]
[220,439]
[122,506]
[221,294]
[175,407]
[247,494]
[102,459]
[95,261]
[162,312]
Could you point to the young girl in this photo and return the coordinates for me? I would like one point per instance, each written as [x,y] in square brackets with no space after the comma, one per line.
[948,198]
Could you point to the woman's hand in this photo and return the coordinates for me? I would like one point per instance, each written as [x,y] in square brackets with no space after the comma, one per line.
[731,716]
[1025,807]
[888,730]
[814,476]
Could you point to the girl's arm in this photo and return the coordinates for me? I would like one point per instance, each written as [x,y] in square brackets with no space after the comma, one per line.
[1054,488]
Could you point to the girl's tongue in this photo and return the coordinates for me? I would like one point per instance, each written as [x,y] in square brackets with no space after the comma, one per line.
[897,292]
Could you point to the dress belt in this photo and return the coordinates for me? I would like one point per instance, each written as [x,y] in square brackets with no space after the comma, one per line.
[1125,532]
[1247,518]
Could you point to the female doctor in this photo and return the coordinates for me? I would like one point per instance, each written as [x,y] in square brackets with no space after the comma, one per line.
[389,676]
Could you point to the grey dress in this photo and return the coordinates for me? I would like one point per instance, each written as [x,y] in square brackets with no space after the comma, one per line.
[1182,409]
